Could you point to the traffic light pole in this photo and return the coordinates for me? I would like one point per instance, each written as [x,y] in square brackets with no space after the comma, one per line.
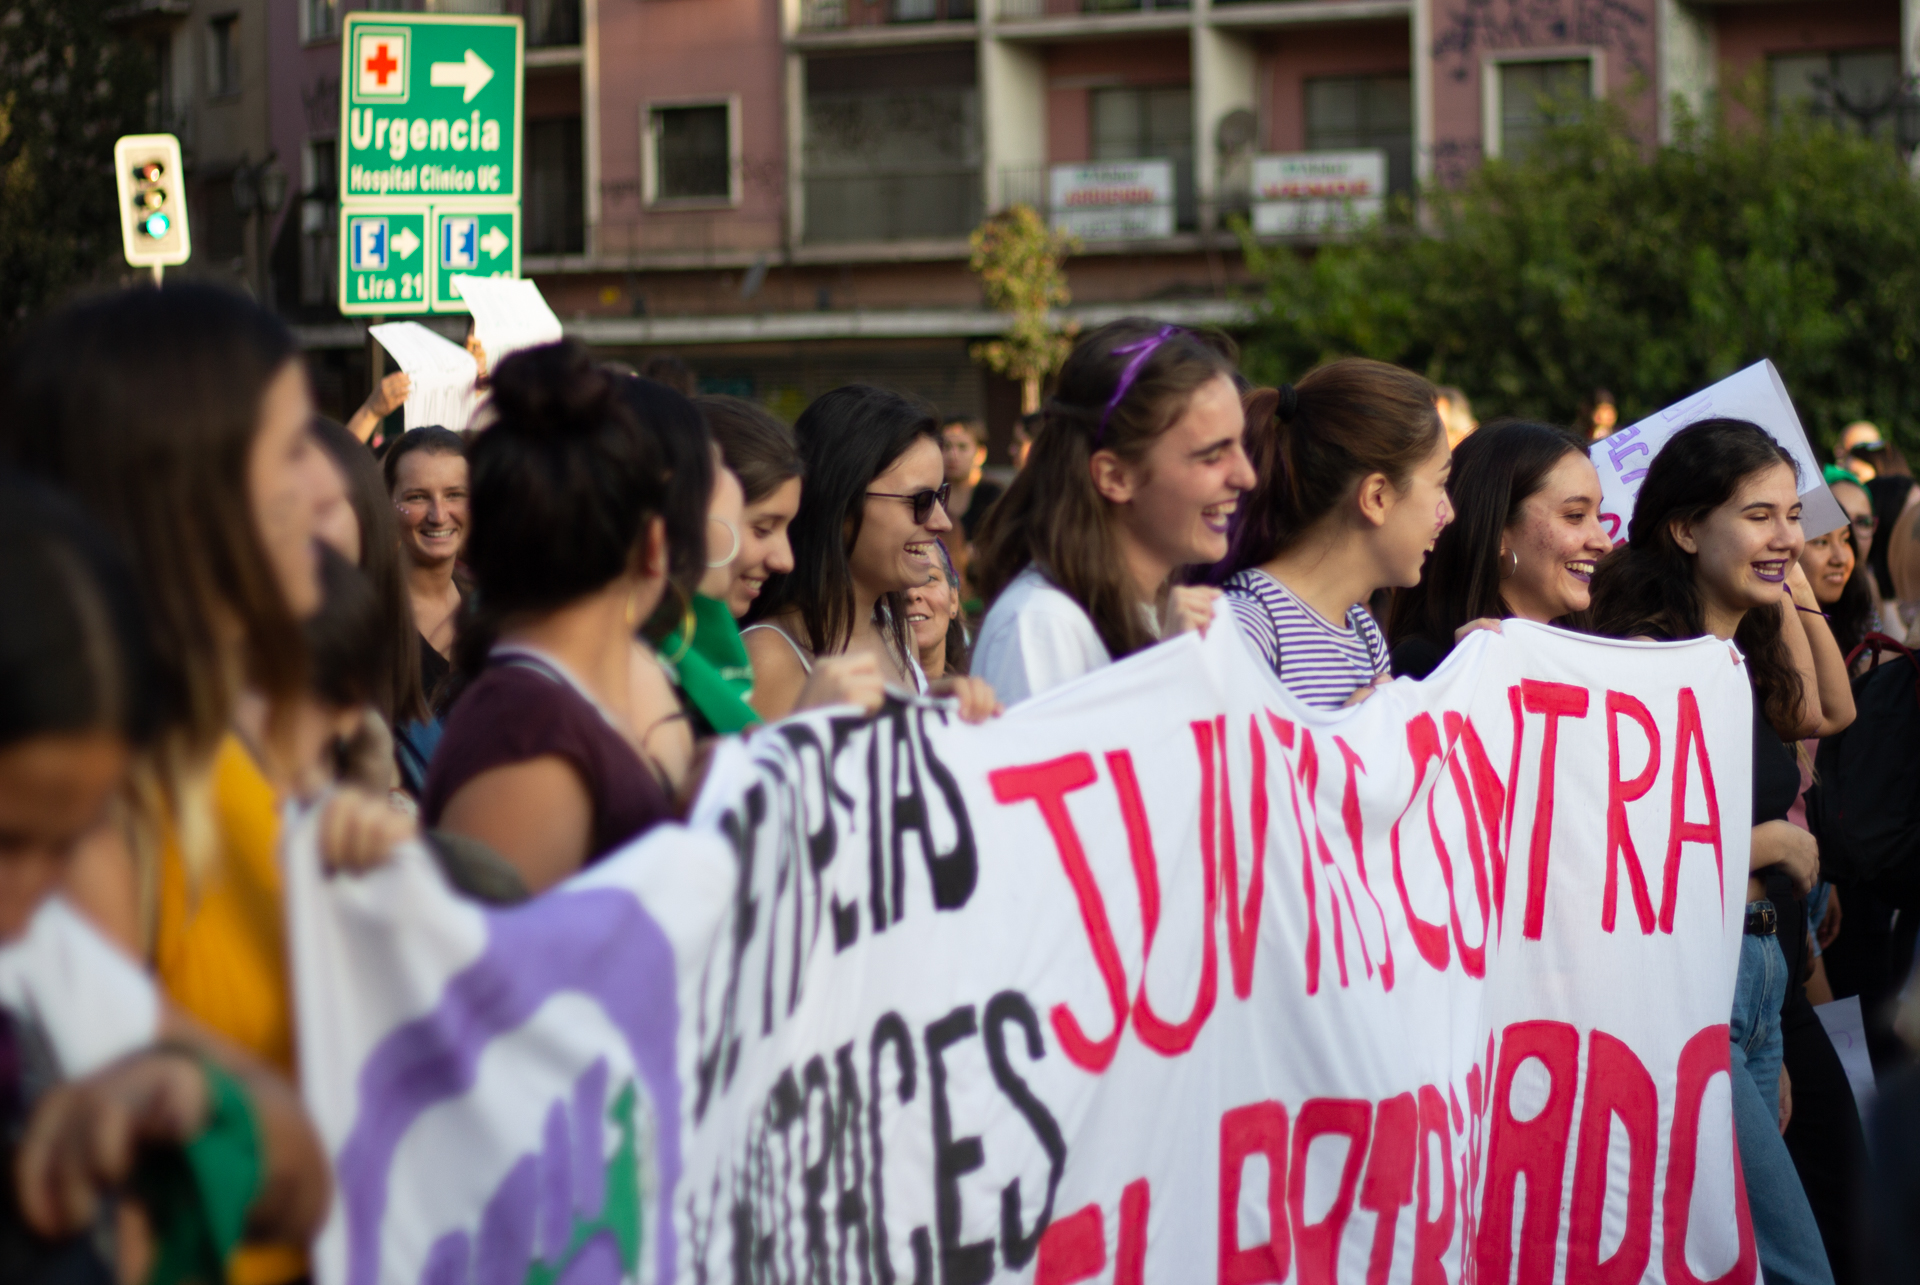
[159,272]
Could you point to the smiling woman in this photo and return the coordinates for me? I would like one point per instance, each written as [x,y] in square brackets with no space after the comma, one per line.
[875,503]
[426,471]
[1525,542]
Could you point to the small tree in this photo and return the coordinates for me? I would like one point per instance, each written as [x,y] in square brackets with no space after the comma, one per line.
[1019,261]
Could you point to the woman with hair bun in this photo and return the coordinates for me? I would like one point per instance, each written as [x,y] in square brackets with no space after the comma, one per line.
[542,759]
[1138,466]
[1352,495]
[1524,542]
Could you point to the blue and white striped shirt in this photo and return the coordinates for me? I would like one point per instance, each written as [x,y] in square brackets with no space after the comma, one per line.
[1316,660]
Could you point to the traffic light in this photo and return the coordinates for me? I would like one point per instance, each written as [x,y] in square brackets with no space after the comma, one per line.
[153,205]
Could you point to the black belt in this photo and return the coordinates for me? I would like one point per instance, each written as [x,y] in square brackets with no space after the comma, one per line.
[1762,919]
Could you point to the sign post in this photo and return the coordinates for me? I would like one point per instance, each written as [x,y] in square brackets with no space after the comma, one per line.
[430,133]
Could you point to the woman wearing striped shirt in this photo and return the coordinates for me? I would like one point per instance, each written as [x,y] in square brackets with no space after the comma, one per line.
[1352,494]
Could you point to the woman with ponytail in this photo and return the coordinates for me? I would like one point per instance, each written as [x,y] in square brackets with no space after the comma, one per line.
[1137,467]
[1352,495]
[544,755]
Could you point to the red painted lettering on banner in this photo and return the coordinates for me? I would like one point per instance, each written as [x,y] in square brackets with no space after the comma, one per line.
[1243,929]
[1536,1147]
[1430,939]
[1155,1032]
[1618,1086]
[1048,785]
[1494,798]
[1388,1186]
[1259,1128]
[1705,1056]
[1680,829]
[1317,1245]
[1556,701]
[1462,737]
[1074,1248]
[1432,1235]
[1130,1259]
[1283,732]
[1621,792]
[1356,838]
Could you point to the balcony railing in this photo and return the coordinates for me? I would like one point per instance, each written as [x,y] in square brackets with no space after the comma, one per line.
[1028,10]
[924,205]
[551,24]
[837,15]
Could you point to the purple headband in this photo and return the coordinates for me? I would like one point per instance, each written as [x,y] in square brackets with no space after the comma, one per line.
[1141,350]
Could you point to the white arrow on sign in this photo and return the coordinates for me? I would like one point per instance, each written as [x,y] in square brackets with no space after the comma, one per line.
[472,73]
[494,243]
[405,243]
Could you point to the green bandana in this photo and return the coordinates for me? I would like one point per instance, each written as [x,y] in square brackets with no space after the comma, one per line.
[713,670]
[197,1196]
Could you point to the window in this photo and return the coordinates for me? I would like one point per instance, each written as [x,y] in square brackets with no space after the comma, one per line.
[1532,97]
[1149,123]
[1363,113]
[554,208]
[319,177]
[553,22]
[223,55]
[319,19]
[892,146]
[690,153]
[1860,87]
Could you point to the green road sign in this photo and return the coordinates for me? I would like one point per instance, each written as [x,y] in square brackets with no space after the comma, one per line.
[472,242]
[429,159]
[430,108]
[385,260]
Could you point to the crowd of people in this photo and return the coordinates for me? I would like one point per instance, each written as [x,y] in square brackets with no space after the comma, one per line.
[521,640]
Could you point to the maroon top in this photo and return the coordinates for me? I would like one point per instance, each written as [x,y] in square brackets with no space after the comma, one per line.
[519,709]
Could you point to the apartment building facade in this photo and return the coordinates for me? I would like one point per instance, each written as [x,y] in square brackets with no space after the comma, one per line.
[780,191]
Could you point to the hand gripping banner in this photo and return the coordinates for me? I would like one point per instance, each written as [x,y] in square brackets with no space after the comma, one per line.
[1159,978]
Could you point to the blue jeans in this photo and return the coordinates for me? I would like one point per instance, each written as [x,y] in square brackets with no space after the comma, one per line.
[1791,1252]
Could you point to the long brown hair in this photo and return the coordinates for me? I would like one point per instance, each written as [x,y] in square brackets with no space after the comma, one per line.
[1646,587]
[144,405]
[1343,421]
[397,694]
[1051,516]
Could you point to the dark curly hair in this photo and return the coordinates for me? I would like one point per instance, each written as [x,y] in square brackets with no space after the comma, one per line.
[1646,587]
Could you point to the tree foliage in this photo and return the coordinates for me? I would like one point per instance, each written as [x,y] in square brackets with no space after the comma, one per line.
[71,82]
[1600,262]
[1019,260]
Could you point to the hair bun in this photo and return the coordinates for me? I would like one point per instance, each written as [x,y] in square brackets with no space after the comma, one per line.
[1289,403]
[554,389]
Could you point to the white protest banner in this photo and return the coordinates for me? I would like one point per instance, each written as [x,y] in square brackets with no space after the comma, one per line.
[1299,192]
[509,313]
[1756,394]
[1160,978]
[442,373]
[1113,200]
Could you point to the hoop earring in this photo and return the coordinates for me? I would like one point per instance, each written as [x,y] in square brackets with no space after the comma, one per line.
[732,553]
[1509,564]
[688,623]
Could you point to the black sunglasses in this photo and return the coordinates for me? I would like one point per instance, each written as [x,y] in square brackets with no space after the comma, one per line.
[922,501]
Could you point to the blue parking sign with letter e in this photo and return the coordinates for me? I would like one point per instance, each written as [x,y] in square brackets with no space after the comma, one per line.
[369,245]
[459,243]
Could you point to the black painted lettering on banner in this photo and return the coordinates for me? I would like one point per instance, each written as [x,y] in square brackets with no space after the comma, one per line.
[970,1264]
[720,1054]
[891,1029]
[1011,1006]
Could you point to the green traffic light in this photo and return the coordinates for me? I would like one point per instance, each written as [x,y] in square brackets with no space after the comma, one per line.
[155,225]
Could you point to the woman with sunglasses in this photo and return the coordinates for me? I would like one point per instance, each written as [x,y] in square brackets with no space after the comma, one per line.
[875,503]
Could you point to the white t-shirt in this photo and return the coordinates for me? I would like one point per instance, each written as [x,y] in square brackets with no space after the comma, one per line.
[1035,637]
[93,1004]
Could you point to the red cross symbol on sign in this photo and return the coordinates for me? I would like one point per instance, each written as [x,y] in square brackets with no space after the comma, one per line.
[382,64]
